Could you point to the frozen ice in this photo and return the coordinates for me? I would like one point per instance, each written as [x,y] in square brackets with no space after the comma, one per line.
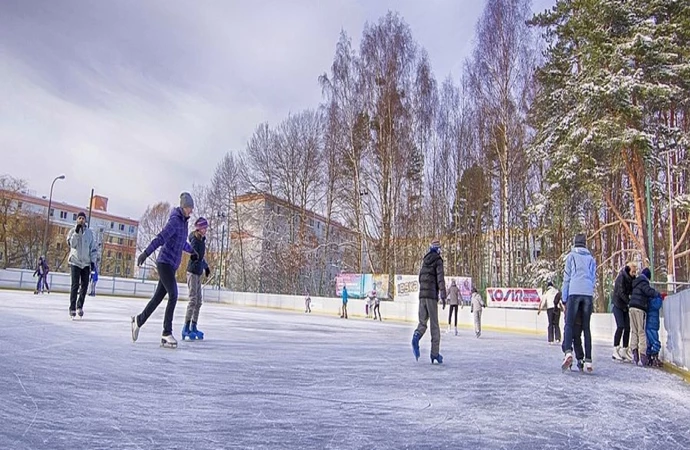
[275,379]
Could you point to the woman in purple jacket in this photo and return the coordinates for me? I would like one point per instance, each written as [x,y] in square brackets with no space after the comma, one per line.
[173,240]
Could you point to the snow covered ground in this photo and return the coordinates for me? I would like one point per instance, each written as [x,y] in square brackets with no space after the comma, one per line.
[272,379]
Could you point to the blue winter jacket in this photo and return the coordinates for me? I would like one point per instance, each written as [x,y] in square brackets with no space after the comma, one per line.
[344,296]
[579,275]
[173,239]
[653,325]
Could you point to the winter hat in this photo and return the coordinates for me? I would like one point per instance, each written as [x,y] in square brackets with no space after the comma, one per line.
[200,223]
[452,282]
[647,273]
[186,200]
[81,214]
[474,289]
[549,284]
[580,240]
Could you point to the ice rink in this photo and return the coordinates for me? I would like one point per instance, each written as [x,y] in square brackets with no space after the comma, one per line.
[273,379]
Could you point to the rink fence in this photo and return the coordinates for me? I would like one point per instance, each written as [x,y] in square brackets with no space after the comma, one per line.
[675,329]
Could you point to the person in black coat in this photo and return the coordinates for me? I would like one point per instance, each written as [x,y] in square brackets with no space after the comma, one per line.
[642,293]
[432,286]
[622,289]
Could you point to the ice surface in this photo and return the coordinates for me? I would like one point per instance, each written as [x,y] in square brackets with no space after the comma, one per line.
[273,379]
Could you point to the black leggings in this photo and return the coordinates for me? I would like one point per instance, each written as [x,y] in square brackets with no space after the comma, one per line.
[622,327]
[450,314]
[167,284]
[80,281]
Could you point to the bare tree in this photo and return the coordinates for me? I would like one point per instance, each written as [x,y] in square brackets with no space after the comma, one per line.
[151,223]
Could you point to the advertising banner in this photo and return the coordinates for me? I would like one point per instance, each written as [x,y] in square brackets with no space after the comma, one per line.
[360,285]
[464,284]
[406,288]
[523,298]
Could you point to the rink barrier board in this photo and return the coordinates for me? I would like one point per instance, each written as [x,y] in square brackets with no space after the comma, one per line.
[675,320]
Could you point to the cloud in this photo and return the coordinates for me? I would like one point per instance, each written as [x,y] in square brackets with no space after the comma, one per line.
[142,99]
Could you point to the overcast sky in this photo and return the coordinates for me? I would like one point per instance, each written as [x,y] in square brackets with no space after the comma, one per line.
[140,99]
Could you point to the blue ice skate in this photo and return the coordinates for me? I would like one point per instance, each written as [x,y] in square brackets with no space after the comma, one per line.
[438,358]
[188,333]
[198,334]
[415,345]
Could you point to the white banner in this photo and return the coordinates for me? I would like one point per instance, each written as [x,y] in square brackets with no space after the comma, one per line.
[406,288]
[524,298]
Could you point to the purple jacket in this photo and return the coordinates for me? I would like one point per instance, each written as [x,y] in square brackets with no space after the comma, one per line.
[173,238]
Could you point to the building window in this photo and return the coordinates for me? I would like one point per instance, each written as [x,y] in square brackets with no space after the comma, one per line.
[109,253]
[19,205]
[311,222]
[58,246]
[131,228]
[63,214]
[74,217]
[52,212]
[122,227]
[101,230]
[112,225]
[110,239]
[120,241]
[117,270]
[119,255]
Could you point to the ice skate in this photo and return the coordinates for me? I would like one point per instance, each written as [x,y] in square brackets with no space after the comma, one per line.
[80,312]
[636,357]
[438,358]
[198,334]
[135,329]
[415,345]
[617,354]
[580,365]
[72,315]
[567,362]
[168,341]
[456,331]
[188,333]
[625,354]
[588,367]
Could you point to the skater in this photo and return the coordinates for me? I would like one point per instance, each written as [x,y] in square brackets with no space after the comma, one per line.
[622,289]
[432,286]
[642,293]
[343,315]
[195,268]
[40,273]
[173,239]
[83,254]
[551,301]
[46,271]
[579,278]
[653,325]
[94,280]
[453,301]
[307,303]
[476,306]
[377,306]
[370,304]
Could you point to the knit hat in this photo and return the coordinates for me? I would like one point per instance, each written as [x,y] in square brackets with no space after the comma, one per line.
[200,223]
[81,214]
[580,240]
[647,273]
[186,200]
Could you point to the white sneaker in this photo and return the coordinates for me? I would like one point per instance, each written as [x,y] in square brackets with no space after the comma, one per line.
[567,362]
[135,329]
[168,341]
[617,354]
[588,367]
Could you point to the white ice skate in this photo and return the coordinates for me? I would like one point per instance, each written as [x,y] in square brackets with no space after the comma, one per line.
[625,354]
[456,331]
[168,341]
[588,367]
[135,329]
[617,354]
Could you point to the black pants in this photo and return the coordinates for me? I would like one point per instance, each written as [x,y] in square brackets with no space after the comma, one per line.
[167,284]
[80,283]
[377,309]
[554,316]
[450,315]
[622,327]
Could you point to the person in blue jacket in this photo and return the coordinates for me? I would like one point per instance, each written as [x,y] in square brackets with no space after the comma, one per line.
[579,278]
[652,331]
[344,311]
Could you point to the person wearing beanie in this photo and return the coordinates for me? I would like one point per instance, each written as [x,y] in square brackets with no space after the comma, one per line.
[642,293]
[432,286]
[453,302]
[173,241]
[83,254]
[195,268]
[476,307]
[579,278]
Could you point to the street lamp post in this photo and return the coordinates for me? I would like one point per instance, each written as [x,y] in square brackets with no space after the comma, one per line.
[672,244]
[50,205]
[222,248]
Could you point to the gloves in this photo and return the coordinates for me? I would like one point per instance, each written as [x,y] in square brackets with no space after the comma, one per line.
[78,228]
[443,302]
[142,259]
[207,271]
[194,256]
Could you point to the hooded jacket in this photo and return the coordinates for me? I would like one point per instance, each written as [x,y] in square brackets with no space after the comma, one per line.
[82,248]
[579,275]
[642,293]
[432,284]
[622,289]
[173,239]
[199,245]
[453,294]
